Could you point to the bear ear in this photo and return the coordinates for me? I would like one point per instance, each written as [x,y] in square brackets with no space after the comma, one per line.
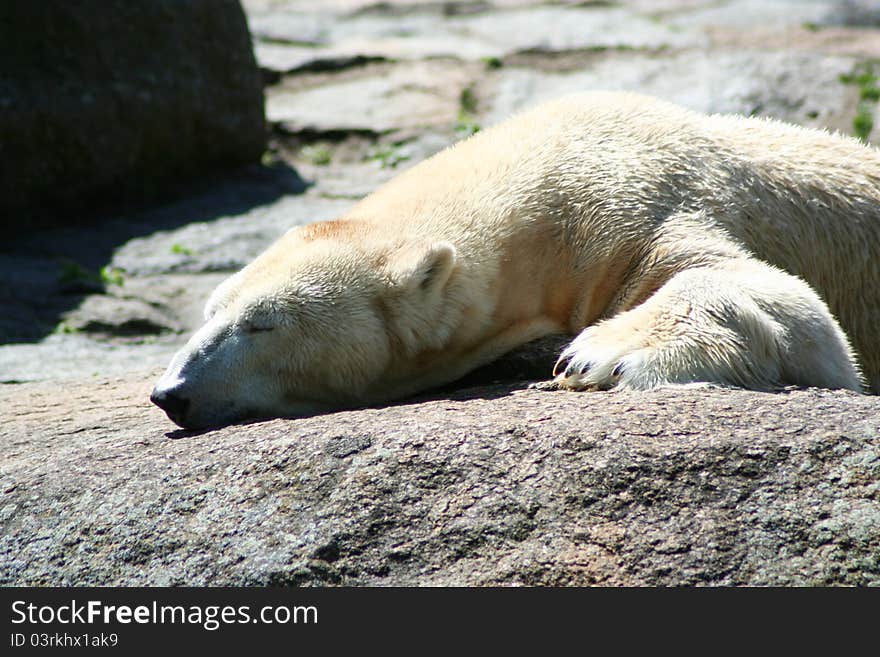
[220,296]
[425,268]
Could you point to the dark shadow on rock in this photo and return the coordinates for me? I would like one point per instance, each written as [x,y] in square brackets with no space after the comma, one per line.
[467,391]
[181,434]
[512,372]
[49,272]
[531,362]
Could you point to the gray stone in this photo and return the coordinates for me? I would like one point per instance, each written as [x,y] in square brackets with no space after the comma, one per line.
[744,14]
[490,485]
[848,41]
[854,13]
[306,28]
[800,87]
[376,165]
[404,98]
[145,306]
[574,28]
[352,180]
[119,316]
[121,101]
[223,245]
[283,58]
[80,357]
[471,36]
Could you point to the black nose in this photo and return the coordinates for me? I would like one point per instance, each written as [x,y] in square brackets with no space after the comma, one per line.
[174,405]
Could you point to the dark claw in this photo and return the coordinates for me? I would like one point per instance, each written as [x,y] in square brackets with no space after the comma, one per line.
[562,361]
[583,369]
[618,369]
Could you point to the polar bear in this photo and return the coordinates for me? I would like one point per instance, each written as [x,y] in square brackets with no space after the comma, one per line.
[678,247]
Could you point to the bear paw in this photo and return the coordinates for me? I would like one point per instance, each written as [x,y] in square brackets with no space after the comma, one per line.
[598,360]
[591,363]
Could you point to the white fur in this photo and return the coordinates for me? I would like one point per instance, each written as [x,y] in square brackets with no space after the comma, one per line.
[680,247]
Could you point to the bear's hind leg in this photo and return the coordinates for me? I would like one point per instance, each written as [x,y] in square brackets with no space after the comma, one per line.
[740,322]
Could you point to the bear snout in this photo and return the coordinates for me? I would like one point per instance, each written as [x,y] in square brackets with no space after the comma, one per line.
[174,405]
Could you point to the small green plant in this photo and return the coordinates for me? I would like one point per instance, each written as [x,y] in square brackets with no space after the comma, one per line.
[388,156]
[269,159]
[492,62]
[466,125]
[811,27]
[871,93]
[63,328]
[112,275]
[317,154]
[467,100]
[863,124]
[180,249]
[74,275]
[864,77]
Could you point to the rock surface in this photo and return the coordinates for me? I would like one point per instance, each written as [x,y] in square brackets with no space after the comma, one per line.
[121,101]
[488,485]
[485,482]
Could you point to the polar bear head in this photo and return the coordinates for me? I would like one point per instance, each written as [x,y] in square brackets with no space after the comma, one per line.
[328,317]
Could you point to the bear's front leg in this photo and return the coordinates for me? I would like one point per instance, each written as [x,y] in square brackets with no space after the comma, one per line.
[740,322]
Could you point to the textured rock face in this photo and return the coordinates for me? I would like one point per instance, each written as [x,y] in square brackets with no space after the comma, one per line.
[121,100]
[490,485]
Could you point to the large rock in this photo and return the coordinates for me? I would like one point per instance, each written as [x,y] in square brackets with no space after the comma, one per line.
[490,485]
[108,100]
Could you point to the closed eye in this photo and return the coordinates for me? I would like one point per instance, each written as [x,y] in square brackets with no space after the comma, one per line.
[257,325]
